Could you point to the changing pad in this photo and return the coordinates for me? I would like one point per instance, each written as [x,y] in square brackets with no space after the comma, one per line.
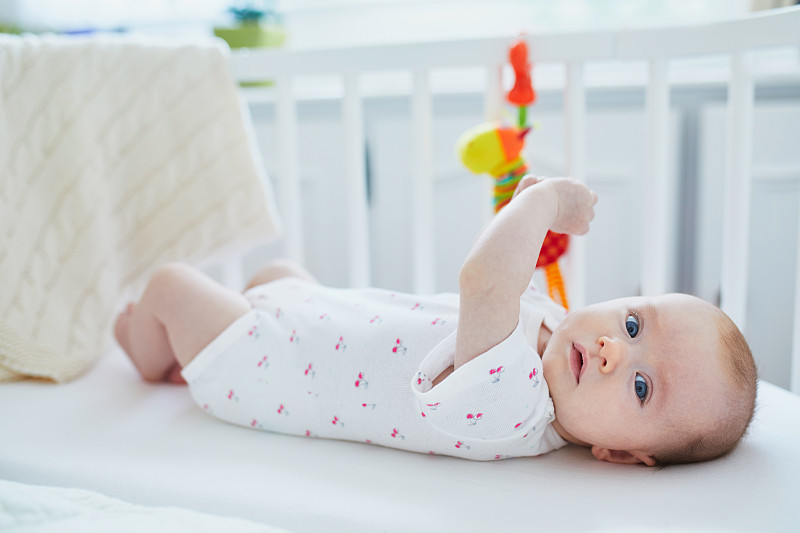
[150,445]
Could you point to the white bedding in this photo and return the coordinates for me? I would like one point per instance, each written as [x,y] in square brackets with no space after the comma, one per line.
[150,445]
[37,509]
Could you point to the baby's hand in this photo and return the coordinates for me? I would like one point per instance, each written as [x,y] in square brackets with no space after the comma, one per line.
[575,202]
[575,205]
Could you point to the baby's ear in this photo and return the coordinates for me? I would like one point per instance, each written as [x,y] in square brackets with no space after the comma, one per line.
[622,456]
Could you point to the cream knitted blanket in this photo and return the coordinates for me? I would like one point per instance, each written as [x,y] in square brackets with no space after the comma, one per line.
[116,155]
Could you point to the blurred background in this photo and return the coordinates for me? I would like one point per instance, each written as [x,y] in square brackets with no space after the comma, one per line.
[315,23]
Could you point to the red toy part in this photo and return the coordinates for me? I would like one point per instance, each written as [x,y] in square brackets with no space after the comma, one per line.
[554,246]
[522,94]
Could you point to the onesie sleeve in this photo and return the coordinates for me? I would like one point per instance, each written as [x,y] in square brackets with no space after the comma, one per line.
[499,394]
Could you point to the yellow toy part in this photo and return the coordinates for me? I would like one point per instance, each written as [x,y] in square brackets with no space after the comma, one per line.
[492,149]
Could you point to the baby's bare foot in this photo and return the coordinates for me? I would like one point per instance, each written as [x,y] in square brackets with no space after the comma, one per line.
[151,372]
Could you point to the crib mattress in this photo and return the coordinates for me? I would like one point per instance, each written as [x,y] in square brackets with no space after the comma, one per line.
[150,445]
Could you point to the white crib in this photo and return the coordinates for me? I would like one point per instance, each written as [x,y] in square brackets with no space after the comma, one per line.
[149,445]
[737,63]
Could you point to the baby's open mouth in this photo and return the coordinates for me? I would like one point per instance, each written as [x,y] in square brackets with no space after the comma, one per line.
[576,360]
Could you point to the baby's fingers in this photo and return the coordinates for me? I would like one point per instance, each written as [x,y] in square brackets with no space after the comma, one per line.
[576,207]
[581,227]
[589,212]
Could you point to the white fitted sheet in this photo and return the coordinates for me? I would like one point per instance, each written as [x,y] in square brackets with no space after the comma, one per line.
[150,445]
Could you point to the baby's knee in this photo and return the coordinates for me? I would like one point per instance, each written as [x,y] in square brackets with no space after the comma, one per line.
[282,264]
[171,270]
[171,275]
[277,269]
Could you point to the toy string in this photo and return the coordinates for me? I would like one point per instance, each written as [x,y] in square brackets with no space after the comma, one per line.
[522,117]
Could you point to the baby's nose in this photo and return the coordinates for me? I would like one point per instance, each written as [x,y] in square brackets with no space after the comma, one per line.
[610,353]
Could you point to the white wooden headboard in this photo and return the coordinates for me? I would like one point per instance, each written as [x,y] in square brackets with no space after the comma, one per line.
[735,46]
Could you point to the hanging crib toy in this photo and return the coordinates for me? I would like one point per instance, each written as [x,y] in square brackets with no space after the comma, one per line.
[496,150]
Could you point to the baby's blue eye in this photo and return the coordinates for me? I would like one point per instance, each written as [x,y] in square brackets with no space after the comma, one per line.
[632,325]
[640,386]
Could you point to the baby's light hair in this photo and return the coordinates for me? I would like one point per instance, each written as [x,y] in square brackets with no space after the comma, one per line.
[726,433]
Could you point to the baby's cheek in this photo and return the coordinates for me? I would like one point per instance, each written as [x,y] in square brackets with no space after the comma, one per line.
[547,365]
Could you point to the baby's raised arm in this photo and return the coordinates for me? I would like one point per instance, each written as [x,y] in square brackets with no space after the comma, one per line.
[501,263]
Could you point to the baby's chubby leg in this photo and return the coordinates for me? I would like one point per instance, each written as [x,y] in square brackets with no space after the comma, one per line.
[181,311]
[277,269]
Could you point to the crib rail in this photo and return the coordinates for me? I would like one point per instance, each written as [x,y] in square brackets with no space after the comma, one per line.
[736,39]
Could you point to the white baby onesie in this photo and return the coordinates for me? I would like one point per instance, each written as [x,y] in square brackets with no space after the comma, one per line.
[357,364]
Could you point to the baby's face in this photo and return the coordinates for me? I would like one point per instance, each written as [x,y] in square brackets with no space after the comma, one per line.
[630,373]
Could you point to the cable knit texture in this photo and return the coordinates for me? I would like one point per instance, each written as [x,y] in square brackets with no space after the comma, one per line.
[117,154]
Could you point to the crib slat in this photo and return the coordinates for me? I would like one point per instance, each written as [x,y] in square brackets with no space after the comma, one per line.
[736,207]
[575,145]
[493,103]
[255,63]
[424,262]
[493,96]
[657,218]
[356,183]
[289,178]
[794,381]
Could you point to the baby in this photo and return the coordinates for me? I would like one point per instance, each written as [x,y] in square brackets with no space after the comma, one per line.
[497,371]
